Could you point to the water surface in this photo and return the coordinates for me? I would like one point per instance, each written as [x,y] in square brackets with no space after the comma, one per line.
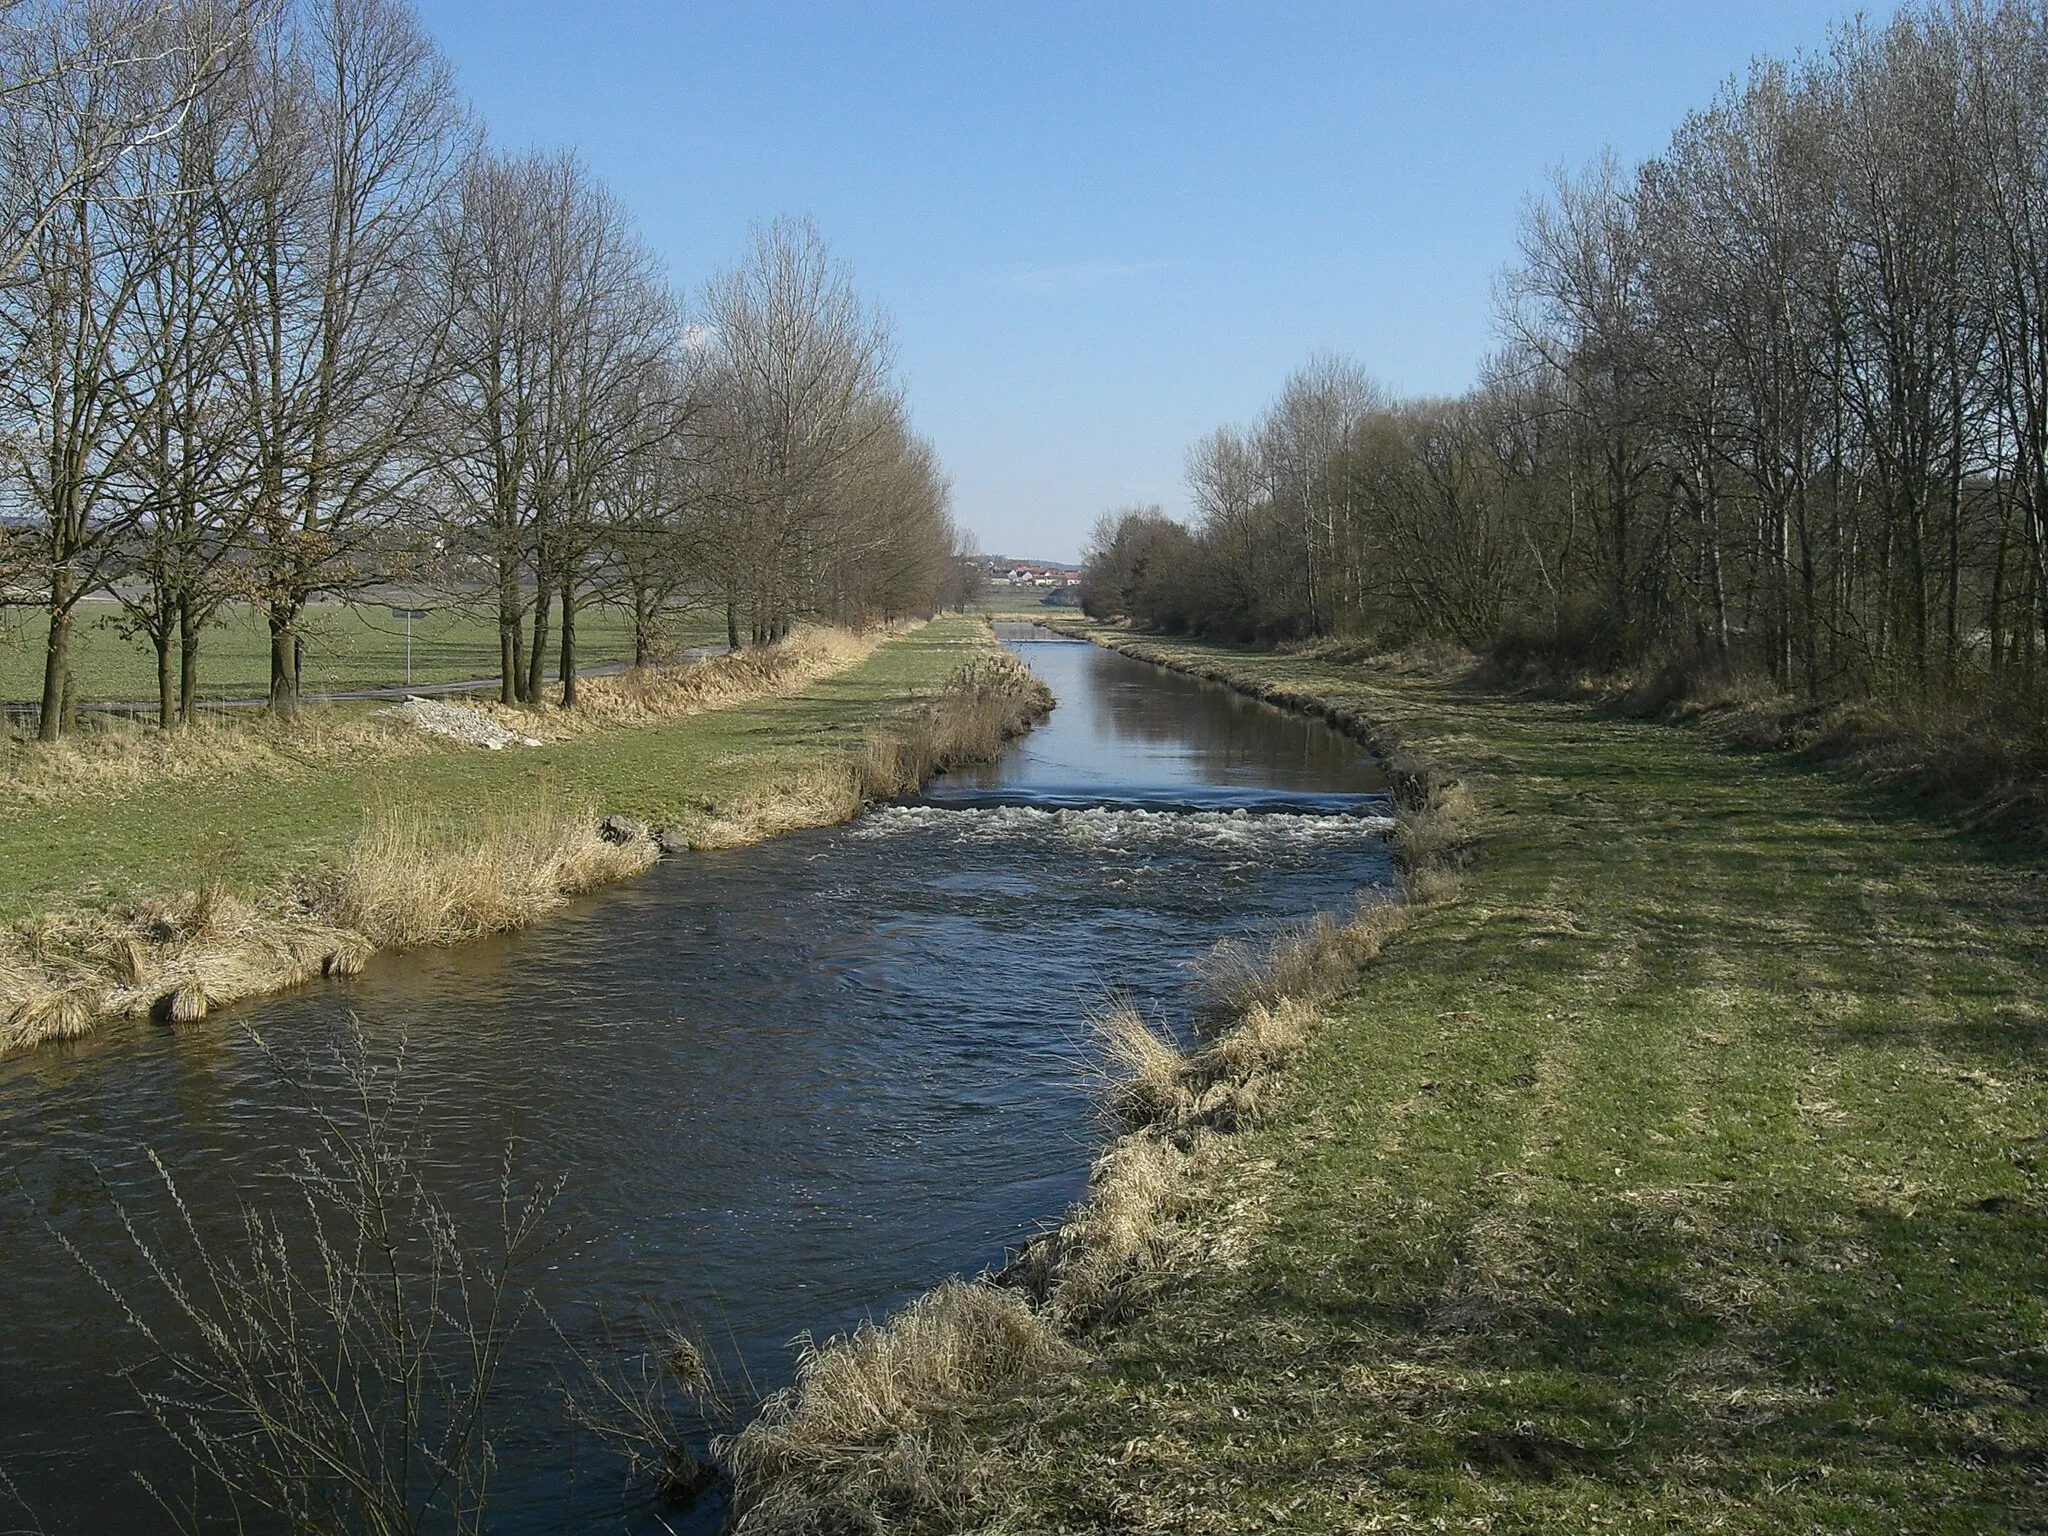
[788,1086]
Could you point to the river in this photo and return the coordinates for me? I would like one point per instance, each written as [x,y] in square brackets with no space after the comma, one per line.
[785,1087]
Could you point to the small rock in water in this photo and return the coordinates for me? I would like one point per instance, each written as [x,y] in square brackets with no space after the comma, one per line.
[671,842]
[622,829]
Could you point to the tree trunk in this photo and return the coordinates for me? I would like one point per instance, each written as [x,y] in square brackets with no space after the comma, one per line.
[166,684]
[284,660]
[643,625]
[1995,624]
[537,658]
[568,669]
[188,660]
[508,636]
[56,661]
[732,627]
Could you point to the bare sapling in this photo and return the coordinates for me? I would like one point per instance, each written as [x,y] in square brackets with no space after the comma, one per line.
[332,1361]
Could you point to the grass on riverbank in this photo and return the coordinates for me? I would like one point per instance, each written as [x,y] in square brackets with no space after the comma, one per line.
[247,881]
[819,1460]
[1968,745]
[117,757]
[1685,1173]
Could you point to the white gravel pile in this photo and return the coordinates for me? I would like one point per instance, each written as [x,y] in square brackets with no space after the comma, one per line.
[458,722]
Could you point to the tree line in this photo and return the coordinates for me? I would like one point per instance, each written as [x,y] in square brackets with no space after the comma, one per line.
[1776,398]
[278,322]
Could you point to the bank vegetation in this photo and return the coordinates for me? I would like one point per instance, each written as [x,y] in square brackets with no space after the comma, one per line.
[886,1429]
[1768,427]
[415,877]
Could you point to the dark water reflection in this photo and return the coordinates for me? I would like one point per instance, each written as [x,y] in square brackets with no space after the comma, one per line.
[788,1086]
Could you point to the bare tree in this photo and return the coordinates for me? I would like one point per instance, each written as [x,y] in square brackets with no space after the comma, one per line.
[490,407]
[1300,440]
[186,483]
[798,360]
[77,275]
[355,118]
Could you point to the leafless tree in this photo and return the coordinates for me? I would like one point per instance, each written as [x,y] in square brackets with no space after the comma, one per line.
[797,364]
[64,316]
[343,337]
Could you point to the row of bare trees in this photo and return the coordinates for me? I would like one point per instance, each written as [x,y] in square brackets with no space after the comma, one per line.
[277,323]
[1779,395]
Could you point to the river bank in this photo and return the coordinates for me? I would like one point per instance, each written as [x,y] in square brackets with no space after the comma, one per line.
[1683,1173]
[262,860]
[786,1087]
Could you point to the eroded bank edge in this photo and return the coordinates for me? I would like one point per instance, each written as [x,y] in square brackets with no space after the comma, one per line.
[878,1431]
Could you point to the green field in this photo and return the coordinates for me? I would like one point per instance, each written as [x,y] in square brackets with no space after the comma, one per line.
[1685,1175]
[348,646]
[256,830]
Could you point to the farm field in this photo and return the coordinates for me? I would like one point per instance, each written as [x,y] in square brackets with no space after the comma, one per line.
[348,646]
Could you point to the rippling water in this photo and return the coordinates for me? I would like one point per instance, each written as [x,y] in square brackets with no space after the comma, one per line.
[788,1086]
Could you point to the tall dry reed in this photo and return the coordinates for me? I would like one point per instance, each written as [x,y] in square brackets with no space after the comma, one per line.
[984,703]
[413,879]
[873,1436]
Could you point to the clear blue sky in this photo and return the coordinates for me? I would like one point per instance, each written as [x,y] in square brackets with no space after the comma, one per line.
[1102,229]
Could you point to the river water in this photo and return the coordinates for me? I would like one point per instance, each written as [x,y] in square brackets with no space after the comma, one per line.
[785,1087]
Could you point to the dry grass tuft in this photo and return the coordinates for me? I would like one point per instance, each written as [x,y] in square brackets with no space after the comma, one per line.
[1267,1036]
[1433,885]
[1094,1266]
[187,1004]
[823,798]
[411,880]
[1140,1073]
[1436,829]
[351,953]
[41,1011]
[1306,965]
[985,703]
[871,1437]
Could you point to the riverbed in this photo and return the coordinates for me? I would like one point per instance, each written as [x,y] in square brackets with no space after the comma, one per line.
[784,1088]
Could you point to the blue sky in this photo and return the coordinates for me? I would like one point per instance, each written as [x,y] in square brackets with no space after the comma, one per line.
[1102,229]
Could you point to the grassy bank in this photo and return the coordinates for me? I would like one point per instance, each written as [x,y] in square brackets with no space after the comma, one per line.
[1682,1173]
[267,860]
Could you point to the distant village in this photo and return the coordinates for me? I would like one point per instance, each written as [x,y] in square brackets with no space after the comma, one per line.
[1056,579]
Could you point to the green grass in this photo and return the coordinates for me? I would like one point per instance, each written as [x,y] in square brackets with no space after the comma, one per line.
[257,830]
[1686,1175]
[348,646]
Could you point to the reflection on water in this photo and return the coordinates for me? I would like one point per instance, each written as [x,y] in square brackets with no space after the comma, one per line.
[788,1086]
[1123,725]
